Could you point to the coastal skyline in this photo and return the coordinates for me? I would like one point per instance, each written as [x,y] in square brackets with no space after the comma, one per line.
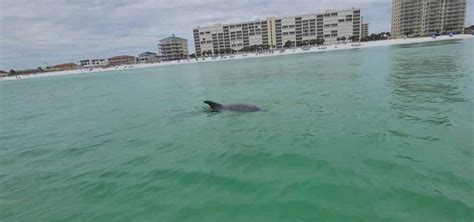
[87,29]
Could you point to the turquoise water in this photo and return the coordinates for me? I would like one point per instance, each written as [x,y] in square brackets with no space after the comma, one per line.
[380,134]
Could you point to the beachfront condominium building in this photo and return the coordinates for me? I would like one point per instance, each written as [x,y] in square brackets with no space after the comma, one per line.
[364,30]
[275,32]
[415,18]
[173,48]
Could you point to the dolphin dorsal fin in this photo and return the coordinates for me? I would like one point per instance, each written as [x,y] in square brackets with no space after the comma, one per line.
[213,105]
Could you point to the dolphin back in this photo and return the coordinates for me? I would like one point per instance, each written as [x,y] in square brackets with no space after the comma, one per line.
[236,107]
[213,105]
[241,107]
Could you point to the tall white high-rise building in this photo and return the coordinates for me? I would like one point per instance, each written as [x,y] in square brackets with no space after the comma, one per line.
[414,18]
[275,32]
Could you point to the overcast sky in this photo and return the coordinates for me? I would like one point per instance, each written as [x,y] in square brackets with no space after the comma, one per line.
[54,31]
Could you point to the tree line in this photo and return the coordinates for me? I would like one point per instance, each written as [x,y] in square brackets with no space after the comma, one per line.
[312,42]
[13,72]
[291,44]
[376,37]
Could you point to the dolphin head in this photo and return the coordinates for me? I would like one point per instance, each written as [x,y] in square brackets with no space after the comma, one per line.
[214,106]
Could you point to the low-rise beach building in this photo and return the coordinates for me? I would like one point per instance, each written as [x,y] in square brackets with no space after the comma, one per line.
[91,63]
[469,30]
[275,32]
[173,48]
[425,17]
[147,57]
[121,60]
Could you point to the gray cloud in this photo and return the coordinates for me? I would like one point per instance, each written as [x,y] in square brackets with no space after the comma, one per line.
[37,31]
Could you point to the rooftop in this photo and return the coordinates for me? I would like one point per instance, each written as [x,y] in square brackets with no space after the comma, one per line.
[172,38]
[147,53]
[122,57]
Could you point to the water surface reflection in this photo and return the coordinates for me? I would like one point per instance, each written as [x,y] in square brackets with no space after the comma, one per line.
[423,83]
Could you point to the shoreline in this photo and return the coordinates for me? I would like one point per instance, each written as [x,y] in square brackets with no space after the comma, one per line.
[291,51]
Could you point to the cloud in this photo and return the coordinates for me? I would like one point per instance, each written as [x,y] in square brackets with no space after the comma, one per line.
[56,31]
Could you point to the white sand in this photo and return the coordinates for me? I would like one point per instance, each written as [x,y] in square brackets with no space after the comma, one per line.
[341,46]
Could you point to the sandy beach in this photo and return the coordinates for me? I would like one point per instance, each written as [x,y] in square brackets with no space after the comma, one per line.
[314,49]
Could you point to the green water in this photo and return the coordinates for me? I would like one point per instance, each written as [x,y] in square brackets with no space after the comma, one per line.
[380,134]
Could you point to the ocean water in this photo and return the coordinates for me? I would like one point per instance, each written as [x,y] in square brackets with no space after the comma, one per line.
[380,134]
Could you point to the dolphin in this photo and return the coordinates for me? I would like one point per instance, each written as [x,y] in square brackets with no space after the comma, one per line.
[236,107]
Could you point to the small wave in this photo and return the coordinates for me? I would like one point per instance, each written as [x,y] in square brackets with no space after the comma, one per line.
[406,135]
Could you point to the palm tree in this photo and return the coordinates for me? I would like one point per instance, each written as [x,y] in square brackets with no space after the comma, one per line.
[12,72]
[288,44]
[320,41]
[253,48]
[343,39]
